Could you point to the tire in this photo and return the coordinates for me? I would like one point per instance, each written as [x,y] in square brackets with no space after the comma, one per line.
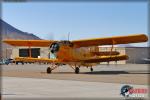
[77,70]
[91,69]
[49,70]
[22,63]
[16,62]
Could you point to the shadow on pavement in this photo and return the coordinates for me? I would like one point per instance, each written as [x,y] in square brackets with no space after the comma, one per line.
[115,72]
[102,72]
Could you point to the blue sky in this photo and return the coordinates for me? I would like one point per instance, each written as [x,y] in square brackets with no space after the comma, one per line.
[54,20]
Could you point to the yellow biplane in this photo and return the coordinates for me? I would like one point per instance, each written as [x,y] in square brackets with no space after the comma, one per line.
[74,53]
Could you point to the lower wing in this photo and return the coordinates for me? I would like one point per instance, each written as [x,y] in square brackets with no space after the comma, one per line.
[105,59]
[91,60]
[29,59]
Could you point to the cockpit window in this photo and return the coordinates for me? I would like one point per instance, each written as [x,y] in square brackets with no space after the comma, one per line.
[54,48]
[52,56]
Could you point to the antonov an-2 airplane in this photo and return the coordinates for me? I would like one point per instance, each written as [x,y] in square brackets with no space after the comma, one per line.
[75,54]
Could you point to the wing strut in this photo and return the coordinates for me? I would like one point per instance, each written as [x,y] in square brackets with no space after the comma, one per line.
[30,53]
[113,43]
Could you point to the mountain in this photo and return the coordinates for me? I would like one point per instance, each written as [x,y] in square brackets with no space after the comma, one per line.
[9,32]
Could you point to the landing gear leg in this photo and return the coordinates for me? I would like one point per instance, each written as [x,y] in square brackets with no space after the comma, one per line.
[49,70]
[91,69]
[108,63]
[77,70]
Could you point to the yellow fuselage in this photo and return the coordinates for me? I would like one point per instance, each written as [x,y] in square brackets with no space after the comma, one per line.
[67,53]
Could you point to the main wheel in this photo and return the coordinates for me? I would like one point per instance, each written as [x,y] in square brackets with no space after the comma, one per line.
[91,69]
[49,70]
[77,70]
[16,62]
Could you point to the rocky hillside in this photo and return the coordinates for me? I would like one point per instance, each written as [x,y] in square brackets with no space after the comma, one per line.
[9,32]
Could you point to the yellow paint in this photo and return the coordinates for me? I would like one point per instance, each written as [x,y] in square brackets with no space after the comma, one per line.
[80,53]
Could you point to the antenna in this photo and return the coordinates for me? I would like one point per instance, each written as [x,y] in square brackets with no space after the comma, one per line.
[68,36]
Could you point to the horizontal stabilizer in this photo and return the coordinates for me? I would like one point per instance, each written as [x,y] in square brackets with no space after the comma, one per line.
[105,53]
[106,59]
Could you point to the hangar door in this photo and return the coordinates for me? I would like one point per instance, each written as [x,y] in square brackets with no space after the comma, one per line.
[35,52]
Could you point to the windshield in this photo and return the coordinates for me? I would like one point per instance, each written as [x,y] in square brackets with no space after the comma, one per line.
[54,48]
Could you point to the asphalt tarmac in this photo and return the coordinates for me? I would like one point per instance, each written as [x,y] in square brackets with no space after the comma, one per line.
[14,87]
[32,81]
[125,74]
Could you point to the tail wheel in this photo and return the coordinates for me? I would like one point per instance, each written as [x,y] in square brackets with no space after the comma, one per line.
[91,69]
[77,70]
[22,63]
[49,70]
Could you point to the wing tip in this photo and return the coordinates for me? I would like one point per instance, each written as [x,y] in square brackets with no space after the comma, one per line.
[145,38]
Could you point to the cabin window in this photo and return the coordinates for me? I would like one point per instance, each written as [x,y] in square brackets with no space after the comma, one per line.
[52,56]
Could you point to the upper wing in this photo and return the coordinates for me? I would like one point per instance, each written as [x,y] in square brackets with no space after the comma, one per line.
[35,43]
[111,40]
[83,43]
[106,59]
